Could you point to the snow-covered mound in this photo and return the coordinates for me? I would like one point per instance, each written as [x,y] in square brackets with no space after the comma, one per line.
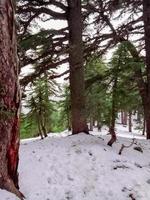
[83,167]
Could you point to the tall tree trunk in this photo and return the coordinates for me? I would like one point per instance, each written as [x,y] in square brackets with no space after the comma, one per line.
[113,115]
[122,117]
[99,126]
[141,83]
[77,85]
[41,121]
[138,117]
[94,122]
[91,123]
[125,117]
[68,121]
[146,16]
[44,130]
[39,126]
[144,124]
[43,124]
[130,121]
[9,100]
[147,119]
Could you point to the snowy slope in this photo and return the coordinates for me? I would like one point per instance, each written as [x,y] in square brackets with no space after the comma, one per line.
[83,167]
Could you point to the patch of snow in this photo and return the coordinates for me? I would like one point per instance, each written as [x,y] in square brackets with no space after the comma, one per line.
[83,167]
[4,195]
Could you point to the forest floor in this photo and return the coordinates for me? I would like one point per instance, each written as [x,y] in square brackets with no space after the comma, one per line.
[83,167]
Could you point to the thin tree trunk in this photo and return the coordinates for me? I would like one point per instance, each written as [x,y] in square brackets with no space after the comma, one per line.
[122,118]
[147,119]
[91,123]
[77,85]
[125,116]
[130,122]
[45,117]
[69,121]
[144,124]
[41,115]
[99,126]
[9,100]
[138,117]
[44,131]
[43,127]
[39,127]
[113,115]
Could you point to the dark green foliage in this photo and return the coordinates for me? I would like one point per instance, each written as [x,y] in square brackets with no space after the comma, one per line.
[99,93]
[65,109]
[40,40]
[40,107]
[98,96]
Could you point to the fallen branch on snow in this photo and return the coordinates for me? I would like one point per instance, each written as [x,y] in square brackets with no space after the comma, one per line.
[124,146]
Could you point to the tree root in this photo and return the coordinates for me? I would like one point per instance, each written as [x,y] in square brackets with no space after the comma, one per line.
[112,140]
[86,132]
[8,185]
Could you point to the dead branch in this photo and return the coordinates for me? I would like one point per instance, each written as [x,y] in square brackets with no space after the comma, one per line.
[126,146]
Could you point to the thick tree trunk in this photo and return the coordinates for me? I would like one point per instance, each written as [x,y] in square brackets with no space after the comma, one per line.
[130,122]
[9,100]
[77,85]
[146,17]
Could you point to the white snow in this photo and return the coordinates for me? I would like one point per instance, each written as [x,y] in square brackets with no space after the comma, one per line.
[83,167]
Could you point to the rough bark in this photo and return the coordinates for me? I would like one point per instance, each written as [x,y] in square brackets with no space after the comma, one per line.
[77,85]
[146,17]
[9,100]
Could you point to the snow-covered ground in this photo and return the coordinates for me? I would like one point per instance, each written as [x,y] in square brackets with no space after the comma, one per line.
[83,167]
